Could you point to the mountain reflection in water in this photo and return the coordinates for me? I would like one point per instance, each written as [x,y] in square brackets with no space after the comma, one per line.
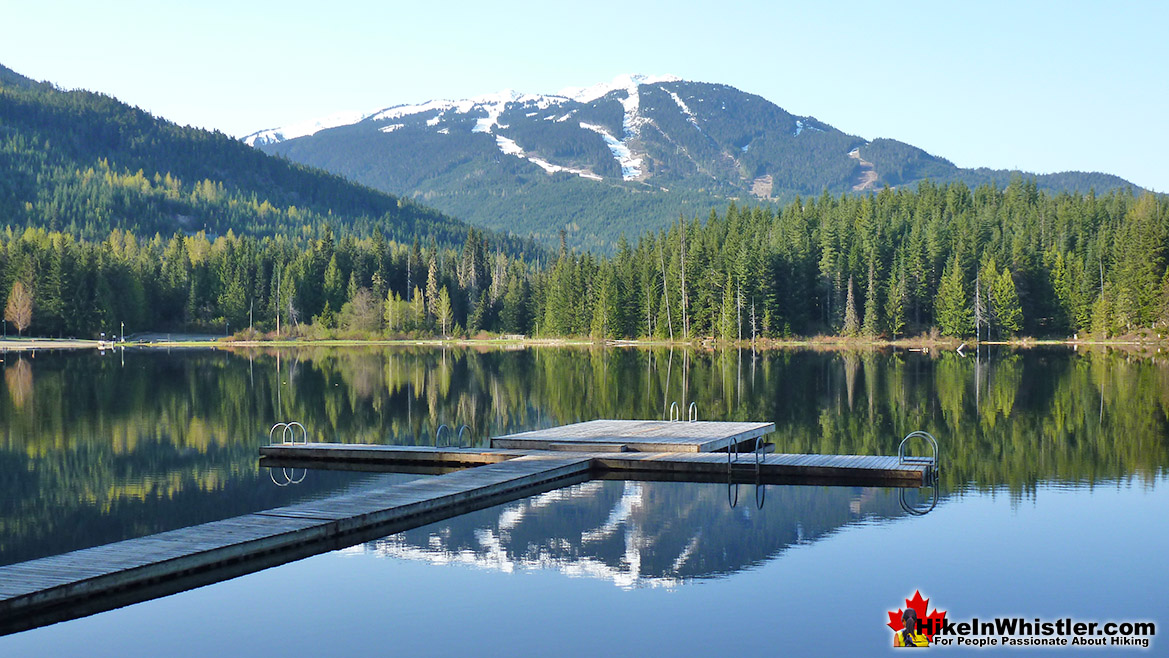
[641,534]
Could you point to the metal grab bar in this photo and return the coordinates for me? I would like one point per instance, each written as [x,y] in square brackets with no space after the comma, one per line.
[903,458]
[692,412]
[470,442]
[675,412]
[758,455]
[287,433]
[438,435]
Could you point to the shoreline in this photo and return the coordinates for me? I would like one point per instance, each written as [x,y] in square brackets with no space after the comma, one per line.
[919,344]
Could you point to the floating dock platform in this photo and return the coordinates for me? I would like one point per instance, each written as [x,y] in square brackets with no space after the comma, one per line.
[91,580]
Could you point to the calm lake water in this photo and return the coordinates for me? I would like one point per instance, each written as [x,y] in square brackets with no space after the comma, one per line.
[1052,501]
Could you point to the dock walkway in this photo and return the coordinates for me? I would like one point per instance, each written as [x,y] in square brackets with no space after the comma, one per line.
[91,580]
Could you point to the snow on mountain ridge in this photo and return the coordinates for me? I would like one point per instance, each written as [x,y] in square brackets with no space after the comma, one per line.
[303,128]
[493,104]
[624,81]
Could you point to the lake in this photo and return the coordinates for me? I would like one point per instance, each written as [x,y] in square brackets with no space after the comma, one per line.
[1051,501]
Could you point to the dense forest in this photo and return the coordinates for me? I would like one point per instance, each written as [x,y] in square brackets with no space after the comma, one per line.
[983,262]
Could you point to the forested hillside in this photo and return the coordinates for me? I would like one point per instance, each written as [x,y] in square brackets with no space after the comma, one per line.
[987,261]
[85,163]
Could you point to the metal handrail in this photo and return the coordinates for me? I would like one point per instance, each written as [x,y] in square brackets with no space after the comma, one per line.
[902,458]
[465,428]
[675,412]
[287,433]
[438,435]
[692,412]
[758,454]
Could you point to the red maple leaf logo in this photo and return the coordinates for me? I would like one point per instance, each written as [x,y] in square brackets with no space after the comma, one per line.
[919,606]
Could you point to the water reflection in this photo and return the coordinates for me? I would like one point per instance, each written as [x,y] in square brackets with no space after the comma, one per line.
[642,534]
[99,448]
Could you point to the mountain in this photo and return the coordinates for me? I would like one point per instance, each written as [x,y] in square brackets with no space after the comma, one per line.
[624,156]
[87,163]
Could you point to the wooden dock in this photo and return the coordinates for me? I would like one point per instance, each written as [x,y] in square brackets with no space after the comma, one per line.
[91,580]
[857,470]
[83,582]
[636,436]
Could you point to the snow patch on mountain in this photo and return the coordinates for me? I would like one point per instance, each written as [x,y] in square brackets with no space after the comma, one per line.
[509,147]
[303,128]
[630,165]
[400,111]
[682,106]
[392,127]
[493,105]
[624,81]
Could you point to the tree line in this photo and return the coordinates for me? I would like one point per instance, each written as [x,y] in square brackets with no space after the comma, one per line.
[986,262]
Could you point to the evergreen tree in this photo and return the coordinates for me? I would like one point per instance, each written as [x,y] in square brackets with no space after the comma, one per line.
[726,316]
[869,327]
[895,303]
[1005,300]
[432,290]
[952,310]
[851,325]
[604,322]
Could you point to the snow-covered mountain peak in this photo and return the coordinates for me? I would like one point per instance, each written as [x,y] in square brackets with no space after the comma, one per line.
[493,104]
[626,81]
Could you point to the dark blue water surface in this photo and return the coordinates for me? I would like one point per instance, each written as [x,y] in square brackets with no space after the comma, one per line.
[1052,502]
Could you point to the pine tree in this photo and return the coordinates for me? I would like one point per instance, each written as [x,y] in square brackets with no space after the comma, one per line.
[726,316]
[952,311]
[333,288]
[417,320]
[869,327]
[895,303]
[851,322]
[432,290]
[604,321]
[1008,312]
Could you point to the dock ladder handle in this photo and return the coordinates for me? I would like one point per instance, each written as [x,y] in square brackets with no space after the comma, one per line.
[675,412]
[903,458]
[288,436]
[287,433]
[758,455]
[471,440]
[438,435]
[692,412]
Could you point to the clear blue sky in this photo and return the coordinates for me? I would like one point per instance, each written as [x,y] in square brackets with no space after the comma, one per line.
[1039,86]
